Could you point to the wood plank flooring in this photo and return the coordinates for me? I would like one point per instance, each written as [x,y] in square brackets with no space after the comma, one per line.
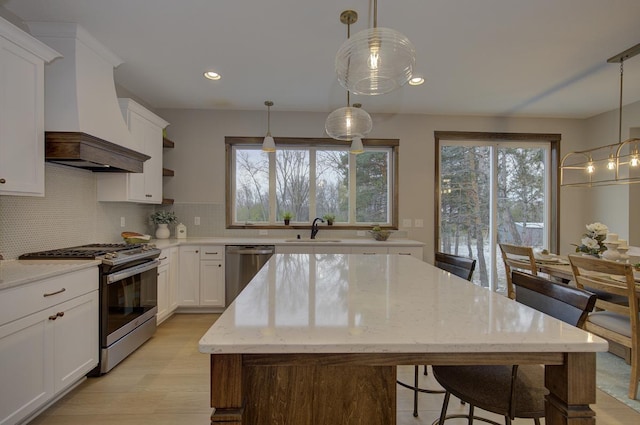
[165,382]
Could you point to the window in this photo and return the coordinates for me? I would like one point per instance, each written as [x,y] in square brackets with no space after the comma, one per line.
[311,178]
[495,188]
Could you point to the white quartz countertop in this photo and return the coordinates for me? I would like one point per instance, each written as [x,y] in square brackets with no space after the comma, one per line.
[334,303]
[167,243]
[19,272]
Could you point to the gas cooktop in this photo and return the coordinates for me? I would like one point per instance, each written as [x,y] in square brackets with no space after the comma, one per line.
[109,253]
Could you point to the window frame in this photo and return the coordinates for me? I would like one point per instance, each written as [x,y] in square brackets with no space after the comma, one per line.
[231,141]
[554,185]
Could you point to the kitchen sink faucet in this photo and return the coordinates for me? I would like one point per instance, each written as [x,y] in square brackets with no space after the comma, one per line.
[314,227]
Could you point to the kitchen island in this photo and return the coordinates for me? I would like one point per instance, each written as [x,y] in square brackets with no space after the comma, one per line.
[316,339]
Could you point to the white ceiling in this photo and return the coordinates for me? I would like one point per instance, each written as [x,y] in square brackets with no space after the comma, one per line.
[543,58]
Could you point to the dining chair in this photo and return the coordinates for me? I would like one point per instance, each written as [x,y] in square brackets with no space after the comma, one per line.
[611,320]
[514,391]
[462,267]
[517,257]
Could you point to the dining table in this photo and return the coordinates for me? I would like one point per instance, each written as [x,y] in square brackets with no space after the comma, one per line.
[317,338]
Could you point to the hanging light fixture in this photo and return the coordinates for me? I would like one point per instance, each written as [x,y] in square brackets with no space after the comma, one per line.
[348,123]
[375,61]
[268,144]
[601,166]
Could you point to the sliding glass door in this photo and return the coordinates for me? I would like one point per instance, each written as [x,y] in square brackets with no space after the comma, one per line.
[491,192]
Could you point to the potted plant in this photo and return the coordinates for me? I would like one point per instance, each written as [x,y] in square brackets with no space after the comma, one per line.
[329,218]
[162,219]
[380,234]
[286,216]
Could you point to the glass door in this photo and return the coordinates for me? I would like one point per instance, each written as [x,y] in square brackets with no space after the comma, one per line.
[492,192]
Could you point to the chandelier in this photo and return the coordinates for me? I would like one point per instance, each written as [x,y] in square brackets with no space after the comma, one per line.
[617,163]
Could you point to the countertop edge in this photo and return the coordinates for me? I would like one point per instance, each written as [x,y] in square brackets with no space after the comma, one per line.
[21,272]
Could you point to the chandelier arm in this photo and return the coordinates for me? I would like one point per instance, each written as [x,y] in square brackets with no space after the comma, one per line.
[620,104]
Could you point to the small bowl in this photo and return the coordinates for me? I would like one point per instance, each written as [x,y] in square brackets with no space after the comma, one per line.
[380,235]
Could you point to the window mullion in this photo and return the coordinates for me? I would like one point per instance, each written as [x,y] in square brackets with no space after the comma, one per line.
[272,188]
[352,189]
[312,183]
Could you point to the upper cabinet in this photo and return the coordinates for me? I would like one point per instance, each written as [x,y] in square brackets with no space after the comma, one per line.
[146,187]
[22,59]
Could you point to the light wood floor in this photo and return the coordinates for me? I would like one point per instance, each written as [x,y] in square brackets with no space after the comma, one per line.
[166,382]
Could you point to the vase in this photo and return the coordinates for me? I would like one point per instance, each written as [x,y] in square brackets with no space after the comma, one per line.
[611,253]
[163,232]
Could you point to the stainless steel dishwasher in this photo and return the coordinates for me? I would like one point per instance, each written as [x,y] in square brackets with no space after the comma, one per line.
[242,262]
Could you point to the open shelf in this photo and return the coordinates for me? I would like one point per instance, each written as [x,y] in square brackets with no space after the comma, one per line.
[167,201]
[167,172]
[166,143]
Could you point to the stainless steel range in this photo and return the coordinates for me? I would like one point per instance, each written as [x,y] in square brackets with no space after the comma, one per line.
[128,295]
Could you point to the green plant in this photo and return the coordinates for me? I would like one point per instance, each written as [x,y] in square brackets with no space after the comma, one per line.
[330,218]
[163,217]
[287,215]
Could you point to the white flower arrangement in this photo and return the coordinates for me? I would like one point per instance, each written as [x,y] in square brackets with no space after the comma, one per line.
[593,241]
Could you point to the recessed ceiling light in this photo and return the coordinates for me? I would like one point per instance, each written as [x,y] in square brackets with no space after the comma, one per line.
[416,81]
[212,75]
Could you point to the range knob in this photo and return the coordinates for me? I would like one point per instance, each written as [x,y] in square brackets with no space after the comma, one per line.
[110,255]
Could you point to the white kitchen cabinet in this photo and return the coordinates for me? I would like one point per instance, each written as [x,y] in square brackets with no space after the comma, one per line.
[189,276]
[22,59]
[414,251]
[212,283]
[146,187]
[201,276]
[167,284]
[48,340]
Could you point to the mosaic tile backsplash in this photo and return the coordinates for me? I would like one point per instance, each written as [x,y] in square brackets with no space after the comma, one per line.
[70,215]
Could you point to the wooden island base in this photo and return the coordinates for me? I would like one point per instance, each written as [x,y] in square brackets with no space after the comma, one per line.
[359,389]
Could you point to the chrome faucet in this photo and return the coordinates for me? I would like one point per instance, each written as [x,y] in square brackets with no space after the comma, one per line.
[314,227]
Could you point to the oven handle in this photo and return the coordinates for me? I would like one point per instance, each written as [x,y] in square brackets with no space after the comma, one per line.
[115,277]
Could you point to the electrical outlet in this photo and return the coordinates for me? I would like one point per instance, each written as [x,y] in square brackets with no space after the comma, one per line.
[196,221]
[406,222]
[263,232]
[419,222]
[360,232]
[122,222]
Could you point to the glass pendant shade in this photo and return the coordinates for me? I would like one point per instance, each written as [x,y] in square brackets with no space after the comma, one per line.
[268,144]
[356,146]
[375,61]
[348,122]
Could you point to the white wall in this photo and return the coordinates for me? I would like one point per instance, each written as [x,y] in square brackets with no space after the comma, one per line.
[199,155]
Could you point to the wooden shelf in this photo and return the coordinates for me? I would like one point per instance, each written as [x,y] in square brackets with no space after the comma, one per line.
[167,172]
[167,201]
[166,143]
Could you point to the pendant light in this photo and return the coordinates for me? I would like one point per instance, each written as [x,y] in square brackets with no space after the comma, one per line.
[268,144]
[348,123]
[601,166]
[376,60]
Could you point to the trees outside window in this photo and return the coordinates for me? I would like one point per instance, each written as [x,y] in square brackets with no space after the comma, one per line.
[310,180]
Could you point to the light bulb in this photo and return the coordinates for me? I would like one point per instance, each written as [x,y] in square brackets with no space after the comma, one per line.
[374,58]
[634,161]
[591,168]
[611,165]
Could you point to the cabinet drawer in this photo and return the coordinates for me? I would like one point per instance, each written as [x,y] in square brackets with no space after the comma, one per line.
[32,297]
[213,252]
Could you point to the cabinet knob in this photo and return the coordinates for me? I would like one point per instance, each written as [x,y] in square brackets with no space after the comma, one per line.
[219,265]
[2,181]
[148,196]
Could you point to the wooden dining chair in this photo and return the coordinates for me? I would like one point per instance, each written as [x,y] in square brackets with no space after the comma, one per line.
[517,257]
[612,320]
[462,267]
[514,391]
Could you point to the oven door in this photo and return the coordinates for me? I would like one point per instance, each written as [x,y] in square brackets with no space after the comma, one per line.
[129,298]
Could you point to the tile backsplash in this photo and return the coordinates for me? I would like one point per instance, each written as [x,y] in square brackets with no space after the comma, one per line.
[70,215]
[67,215]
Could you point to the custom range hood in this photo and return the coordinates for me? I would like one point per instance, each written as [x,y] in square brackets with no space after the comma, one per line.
[84,127]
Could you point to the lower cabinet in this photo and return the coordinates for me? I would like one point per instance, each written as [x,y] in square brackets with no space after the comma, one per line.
[415,251]
[167,284]
[44,352]
[201,276]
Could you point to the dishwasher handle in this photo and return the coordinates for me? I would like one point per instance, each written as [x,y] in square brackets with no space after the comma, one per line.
[250,251]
